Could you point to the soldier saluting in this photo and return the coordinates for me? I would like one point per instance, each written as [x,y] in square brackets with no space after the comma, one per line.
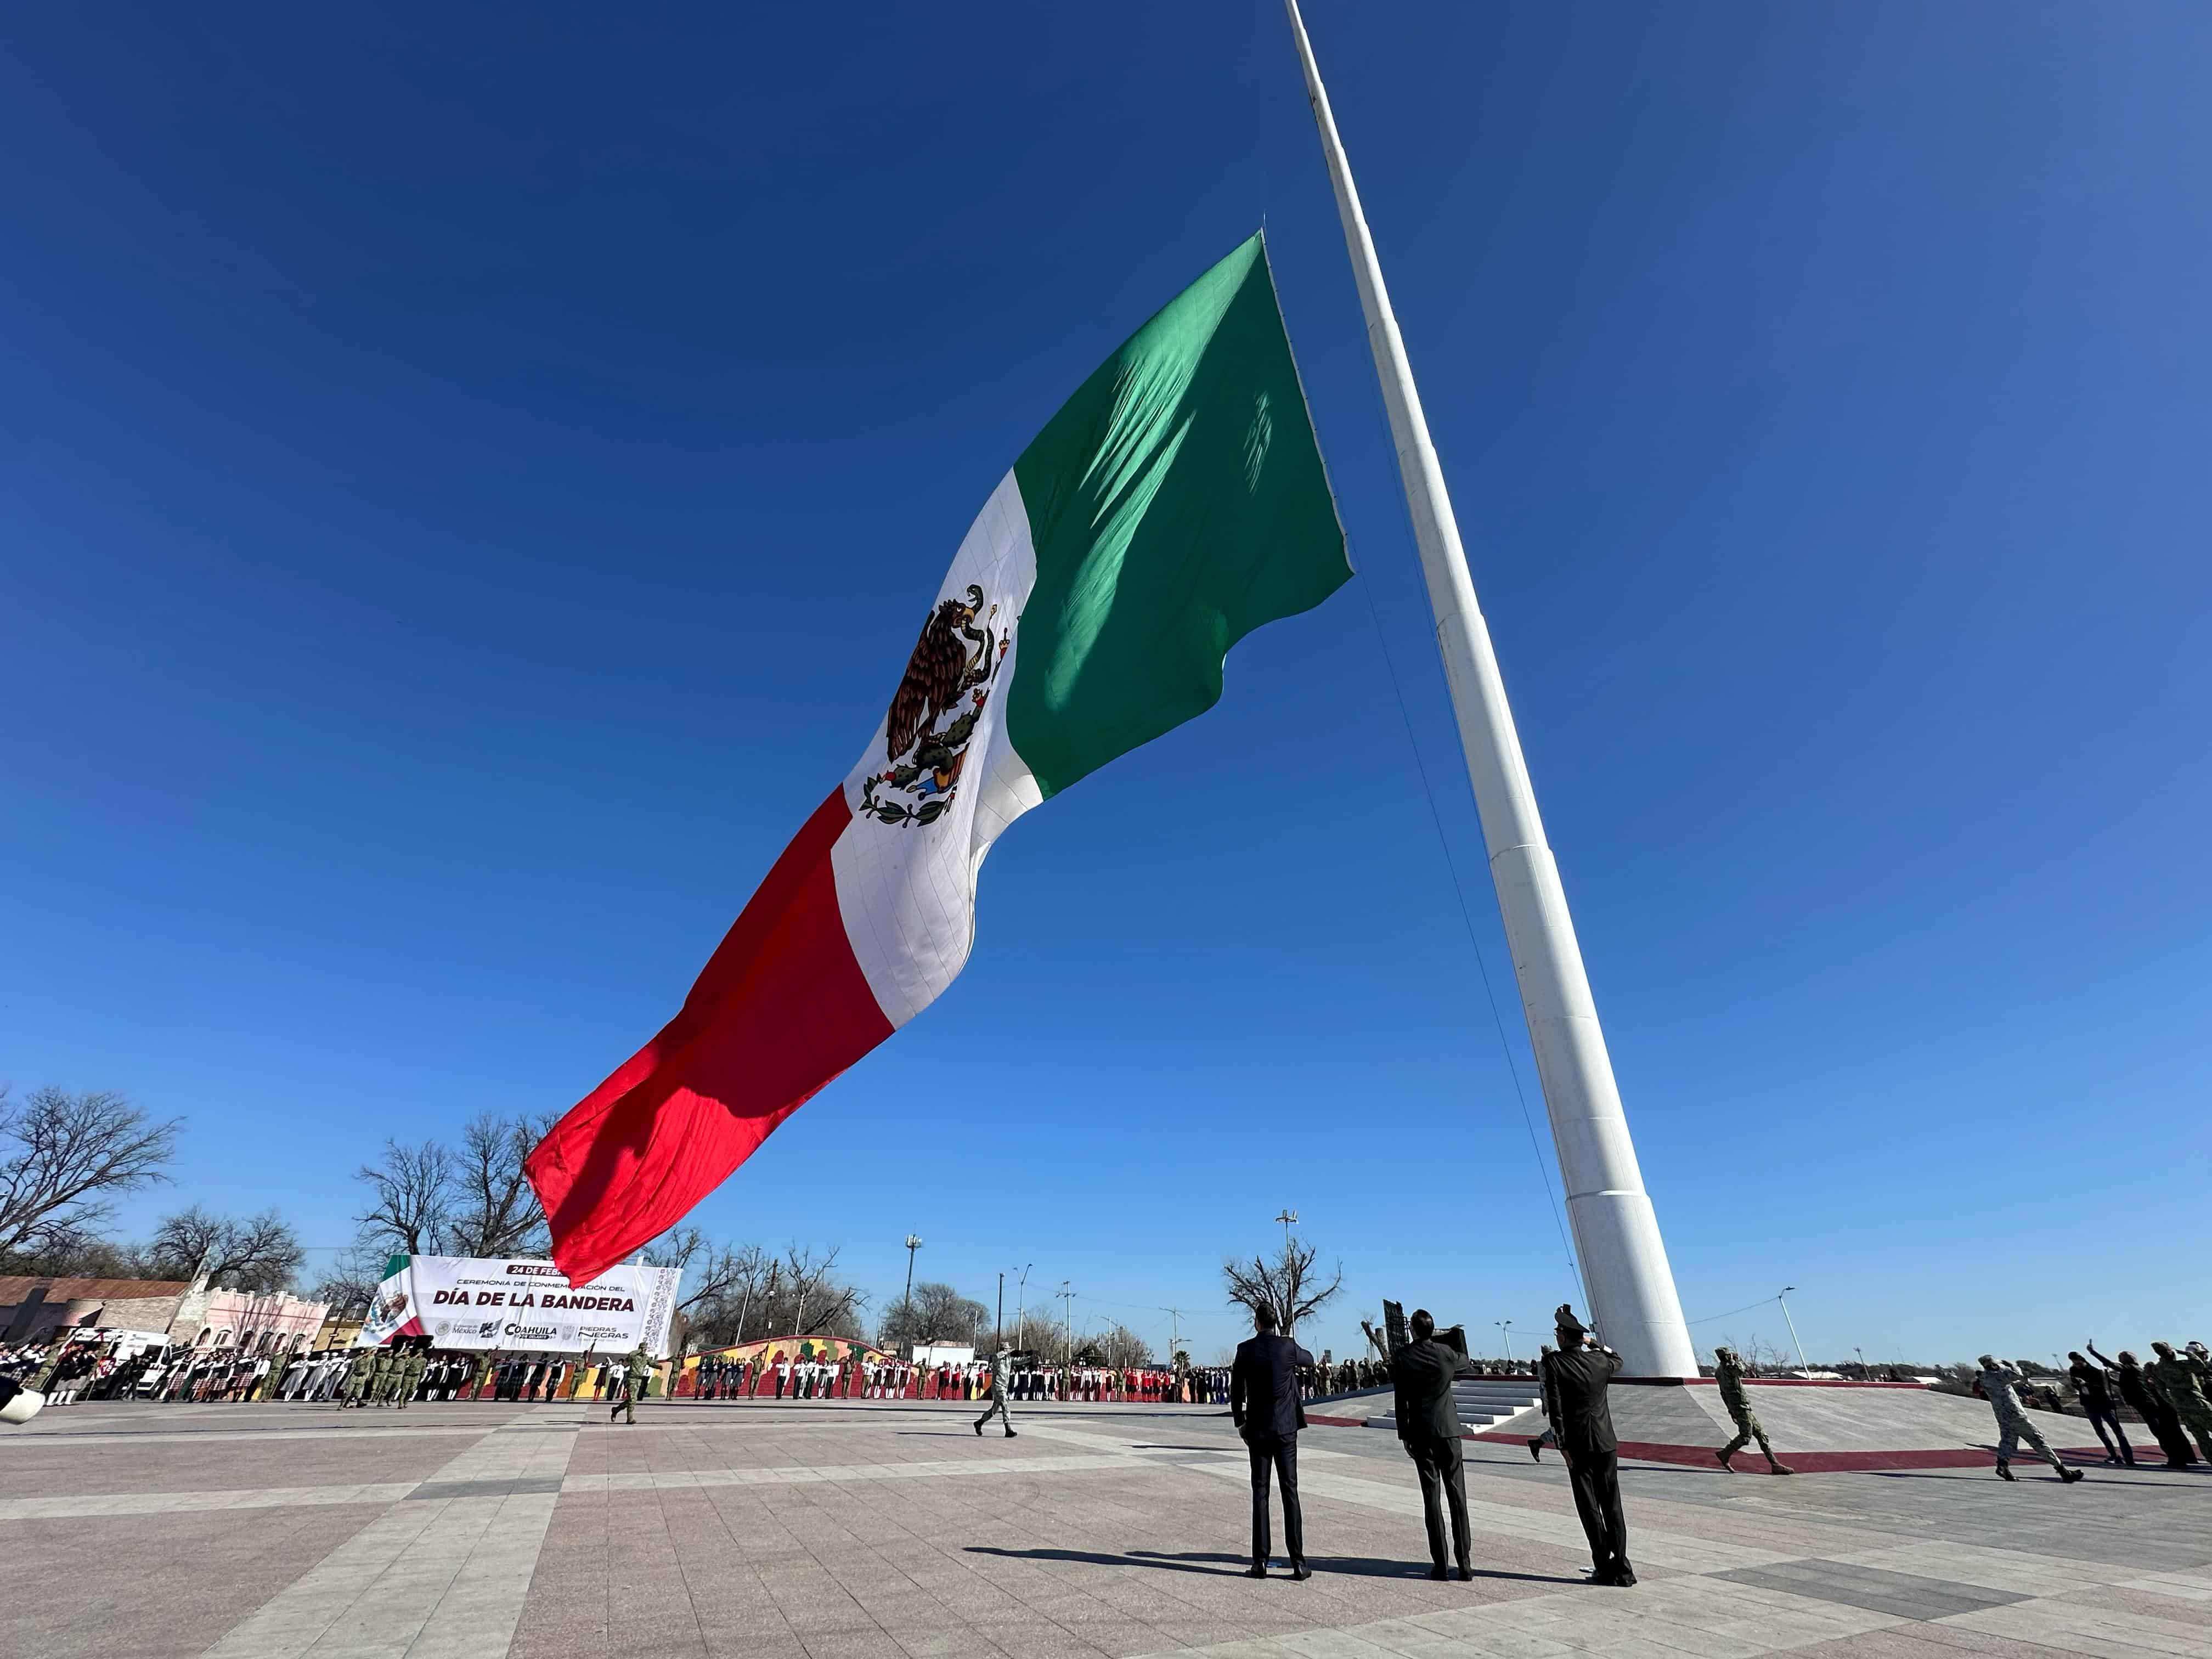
[1575,1380]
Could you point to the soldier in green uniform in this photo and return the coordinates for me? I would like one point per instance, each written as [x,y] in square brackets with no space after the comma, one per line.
[637,1369]
[357,1377]
[382,1374]
[2180,1378]
[412,1367]
[1728,1372]
[999,1362]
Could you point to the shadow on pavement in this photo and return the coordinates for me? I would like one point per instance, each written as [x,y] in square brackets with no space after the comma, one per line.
[1133,1559]
[1232,1566]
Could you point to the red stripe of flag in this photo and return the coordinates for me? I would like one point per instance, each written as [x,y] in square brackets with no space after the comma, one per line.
[780,1010]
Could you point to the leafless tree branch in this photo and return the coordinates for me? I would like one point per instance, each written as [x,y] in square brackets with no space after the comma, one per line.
[64,1156]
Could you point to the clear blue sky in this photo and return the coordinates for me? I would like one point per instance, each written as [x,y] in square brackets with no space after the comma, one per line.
[471,477]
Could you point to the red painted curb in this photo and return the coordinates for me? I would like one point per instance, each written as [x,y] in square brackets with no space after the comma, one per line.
[1819,1462]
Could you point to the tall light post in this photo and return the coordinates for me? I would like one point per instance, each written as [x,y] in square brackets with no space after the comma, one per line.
[1021,1303]
[1289,1218]
[1068,1320]
[912,1244]
[1782,1297]
[999,1336]
[1506,1326]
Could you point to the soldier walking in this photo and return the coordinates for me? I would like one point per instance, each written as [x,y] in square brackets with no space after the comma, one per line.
[2180,1378]
[357,1377]
[1996,1382]
[412,1367]
[637,1366]
[384,1375]
[997,1394]
[1728,1372]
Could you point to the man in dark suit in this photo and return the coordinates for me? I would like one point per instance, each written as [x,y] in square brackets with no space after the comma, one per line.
[1575,1380]
[1421,1376]
[1263,1402]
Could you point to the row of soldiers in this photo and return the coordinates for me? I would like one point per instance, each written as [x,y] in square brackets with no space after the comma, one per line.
[384,1377]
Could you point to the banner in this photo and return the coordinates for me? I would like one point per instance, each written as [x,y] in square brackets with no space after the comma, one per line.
[523,1307]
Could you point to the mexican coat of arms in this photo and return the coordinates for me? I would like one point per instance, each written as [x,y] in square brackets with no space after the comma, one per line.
[932,717]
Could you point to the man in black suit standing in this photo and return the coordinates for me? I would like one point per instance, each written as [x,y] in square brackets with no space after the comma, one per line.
[1575,1380]
[1263,1402]
[1421,1376]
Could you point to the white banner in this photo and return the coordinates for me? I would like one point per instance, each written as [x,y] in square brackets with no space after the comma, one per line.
[522,1307]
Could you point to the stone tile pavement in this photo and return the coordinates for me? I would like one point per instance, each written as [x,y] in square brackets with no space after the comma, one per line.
[890,1531]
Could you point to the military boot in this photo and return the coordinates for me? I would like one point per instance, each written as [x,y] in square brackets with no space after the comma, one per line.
[2004,1471]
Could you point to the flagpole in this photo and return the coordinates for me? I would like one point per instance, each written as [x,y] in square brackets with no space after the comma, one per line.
[1630,1286]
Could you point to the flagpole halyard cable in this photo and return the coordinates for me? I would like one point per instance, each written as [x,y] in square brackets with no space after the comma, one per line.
[1467,917]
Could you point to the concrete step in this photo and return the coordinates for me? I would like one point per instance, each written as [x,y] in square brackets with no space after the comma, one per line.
[1483,1400]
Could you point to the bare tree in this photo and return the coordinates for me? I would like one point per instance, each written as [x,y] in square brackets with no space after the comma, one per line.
[64,1157]
[1288,1283]
[1122,1347]
[261,1252]
[492,1209]
[935,1313]
[349,1282]
[819,1293]
[412,1194]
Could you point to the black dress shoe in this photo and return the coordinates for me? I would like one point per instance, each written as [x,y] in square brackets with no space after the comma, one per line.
[1300,1569]
[1624,1577]
[1466,1573]
[1257,1570]
[1437,1573]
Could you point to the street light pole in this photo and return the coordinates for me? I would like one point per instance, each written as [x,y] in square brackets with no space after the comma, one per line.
[1021,1304]
[1792,1324]
[1506,1326]
[912,1244]
[1068,1320]
[1289,1218]
[999,1340]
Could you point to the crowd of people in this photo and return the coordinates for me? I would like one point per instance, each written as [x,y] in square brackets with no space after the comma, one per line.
[85,1368]
[779,1375]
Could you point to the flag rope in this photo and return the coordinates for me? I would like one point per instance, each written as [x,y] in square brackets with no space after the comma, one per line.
[1467,916]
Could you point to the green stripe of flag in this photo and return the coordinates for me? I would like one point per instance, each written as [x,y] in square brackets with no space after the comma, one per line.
[1176,502]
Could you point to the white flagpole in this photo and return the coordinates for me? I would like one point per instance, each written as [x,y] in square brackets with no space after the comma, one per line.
[1630,1286]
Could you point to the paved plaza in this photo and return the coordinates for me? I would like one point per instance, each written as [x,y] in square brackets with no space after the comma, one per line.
[890,1531]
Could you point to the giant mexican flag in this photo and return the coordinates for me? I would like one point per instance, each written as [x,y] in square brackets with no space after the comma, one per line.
[1175,503]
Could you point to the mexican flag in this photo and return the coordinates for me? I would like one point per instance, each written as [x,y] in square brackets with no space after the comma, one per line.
[1175,503]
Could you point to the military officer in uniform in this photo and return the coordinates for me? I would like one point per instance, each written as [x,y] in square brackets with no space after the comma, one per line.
[412,1364]
[357,1376]
[384,1375]
[637,1367]
[1728,1372]
[2180,1378]
[999,1362]
[1996,1381]
[1575,1380]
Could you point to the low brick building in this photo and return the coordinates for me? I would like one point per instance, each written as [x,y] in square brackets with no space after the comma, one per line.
[31,1307]
[187,1311]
